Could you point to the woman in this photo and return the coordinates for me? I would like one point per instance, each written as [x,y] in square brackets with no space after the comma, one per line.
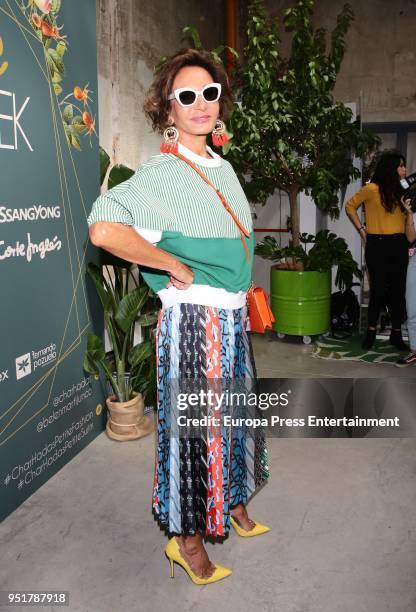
[385,243]
[201,269]
[410,359]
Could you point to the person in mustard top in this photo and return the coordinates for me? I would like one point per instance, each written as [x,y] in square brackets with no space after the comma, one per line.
[386,245]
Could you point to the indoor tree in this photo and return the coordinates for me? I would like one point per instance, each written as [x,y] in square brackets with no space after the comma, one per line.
[288,133]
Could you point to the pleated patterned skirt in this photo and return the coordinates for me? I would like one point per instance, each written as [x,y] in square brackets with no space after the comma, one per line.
[198,479]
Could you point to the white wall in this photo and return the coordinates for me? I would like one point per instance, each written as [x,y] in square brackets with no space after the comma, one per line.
[272,215]
[307,214]
[312,220]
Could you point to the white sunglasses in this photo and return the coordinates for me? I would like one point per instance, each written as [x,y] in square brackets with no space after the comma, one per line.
[186,96]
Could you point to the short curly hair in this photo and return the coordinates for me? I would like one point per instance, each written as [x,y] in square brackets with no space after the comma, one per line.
[157,105]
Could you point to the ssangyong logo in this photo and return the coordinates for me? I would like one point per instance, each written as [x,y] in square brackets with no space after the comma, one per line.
[28,362]
[23,366]
[33,213]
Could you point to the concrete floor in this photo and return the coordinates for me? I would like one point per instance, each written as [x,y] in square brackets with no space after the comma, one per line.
[342,514]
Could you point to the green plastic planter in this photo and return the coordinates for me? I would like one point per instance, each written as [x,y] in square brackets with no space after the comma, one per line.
[300,301]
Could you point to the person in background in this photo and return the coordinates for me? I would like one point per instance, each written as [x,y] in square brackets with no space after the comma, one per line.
[386,245]
[410,359]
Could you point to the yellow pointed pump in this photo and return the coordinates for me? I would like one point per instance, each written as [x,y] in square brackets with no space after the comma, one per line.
[173,553]
[257,530]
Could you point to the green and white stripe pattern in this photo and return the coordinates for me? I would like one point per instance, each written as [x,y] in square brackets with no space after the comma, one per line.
[166,195]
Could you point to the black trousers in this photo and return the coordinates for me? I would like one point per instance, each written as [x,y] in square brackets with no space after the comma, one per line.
[387,258]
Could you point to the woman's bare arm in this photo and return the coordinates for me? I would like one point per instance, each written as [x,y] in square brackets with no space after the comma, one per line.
[410,225]
[353,205]
[123,241]
[356,221]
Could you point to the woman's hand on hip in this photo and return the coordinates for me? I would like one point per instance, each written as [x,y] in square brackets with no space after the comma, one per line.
[407,204]
[181,276]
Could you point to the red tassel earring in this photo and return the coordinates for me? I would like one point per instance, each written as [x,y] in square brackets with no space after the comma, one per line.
[169,143]
[219,135]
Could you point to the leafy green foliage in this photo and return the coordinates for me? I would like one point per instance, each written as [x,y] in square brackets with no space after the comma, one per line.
[123,308]
[119,174]
[328,250]
[104,163]
[192,34]
[288,132]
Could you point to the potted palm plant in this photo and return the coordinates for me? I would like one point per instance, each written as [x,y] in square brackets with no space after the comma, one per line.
[130,370]
[288,133]
[127,367]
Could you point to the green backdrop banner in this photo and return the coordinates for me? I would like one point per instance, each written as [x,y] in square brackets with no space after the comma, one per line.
[50,409]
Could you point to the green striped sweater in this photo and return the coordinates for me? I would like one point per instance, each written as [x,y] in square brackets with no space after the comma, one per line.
[182,214]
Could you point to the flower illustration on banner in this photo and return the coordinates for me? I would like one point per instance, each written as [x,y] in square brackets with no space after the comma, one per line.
[44,5]
[82,94]
[3,65]
[43,15]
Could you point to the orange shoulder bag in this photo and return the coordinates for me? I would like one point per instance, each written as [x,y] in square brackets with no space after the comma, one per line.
[259,311]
